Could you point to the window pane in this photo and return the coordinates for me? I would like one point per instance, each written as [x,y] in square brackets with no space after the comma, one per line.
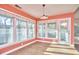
[41,30]
[2,35]
[51,30]
[6,30]
[64,25]
[64,32]
[9,29]
[31,30]
[76,30]
[52,25]
[21,30]
[2,30]
[52,34]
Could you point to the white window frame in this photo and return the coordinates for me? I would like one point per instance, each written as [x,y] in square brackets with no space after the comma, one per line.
[52,21]
[39,22]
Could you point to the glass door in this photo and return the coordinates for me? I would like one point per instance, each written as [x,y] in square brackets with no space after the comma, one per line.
[64,31]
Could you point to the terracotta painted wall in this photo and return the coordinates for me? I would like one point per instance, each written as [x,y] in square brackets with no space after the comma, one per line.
[17,11]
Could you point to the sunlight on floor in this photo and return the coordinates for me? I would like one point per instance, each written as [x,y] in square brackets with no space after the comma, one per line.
[61,49]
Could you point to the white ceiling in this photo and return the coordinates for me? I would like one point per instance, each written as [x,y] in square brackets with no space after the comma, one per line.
[51,9]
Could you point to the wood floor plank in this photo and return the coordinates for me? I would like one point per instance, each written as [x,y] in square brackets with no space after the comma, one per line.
[40,48]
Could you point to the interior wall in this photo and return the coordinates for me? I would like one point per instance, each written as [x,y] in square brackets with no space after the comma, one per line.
[16,10]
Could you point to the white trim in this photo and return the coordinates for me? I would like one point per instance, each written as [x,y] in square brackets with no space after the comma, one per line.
[69,18]
[72,45]
[42,41]
[15,49]
[6,45]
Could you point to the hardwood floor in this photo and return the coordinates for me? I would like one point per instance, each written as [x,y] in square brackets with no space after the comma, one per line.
[33,49]
[39,48]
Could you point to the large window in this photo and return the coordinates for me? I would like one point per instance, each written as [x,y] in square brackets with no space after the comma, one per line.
[9,29]
[31,30]
[52,31]
[6,30]
[76,30]
[41,30]
[15,29]
[64,32]
[21,30]
[47,30]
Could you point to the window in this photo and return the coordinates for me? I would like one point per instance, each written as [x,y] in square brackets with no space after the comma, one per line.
[21,30]
[9,29]
[41,30]
[31,30]
[64,32]
[52,25]
[76,28]
[51,30]
[64,25]
[15,30]
[2,30]
[76,31]
[6,30]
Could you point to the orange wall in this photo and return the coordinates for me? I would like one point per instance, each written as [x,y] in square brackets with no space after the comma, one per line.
[16,10]
[61,16]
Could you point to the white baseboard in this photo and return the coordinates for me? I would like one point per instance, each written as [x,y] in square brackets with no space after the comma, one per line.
[15,49]
[42,41]
[72,45]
